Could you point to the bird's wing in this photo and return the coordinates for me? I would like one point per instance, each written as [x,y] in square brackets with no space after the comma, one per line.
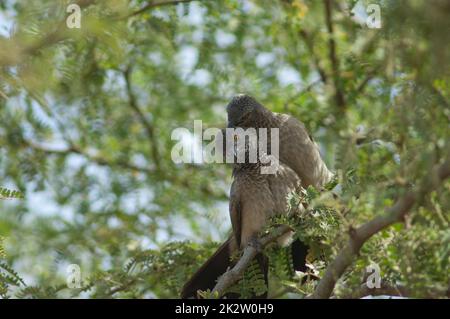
[281,185]
[299,151]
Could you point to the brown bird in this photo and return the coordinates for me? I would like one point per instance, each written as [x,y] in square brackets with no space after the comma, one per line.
[255,197]
[297,150]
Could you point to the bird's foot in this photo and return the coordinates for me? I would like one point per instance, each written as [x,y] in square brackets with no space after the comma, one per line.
[255,243]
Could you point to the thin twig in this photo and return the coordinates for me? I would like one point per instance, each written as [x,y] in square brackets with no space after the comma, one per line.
[299,94]
[360,88]
[143,119]
[309,45]
[173,178]
[92,158]
[155,4]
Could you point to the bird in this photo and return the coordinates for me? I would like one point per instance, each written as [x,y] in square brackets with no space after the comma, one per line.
[297,150]
[255,197]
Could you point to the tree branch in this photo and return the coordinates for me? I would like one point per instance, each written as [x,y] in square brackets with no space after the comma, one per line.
[155,4]
[147,125]
[388,290]
[234,274]
[339,92]
[122,287]
[309,45]
[439,95]
[93,158]
[173,178]
[307,89]
[395,290]
[370,75]
[359,236]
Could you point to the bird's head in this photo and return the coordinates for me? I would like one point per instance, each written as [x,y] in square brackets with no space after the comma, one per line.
[240,108]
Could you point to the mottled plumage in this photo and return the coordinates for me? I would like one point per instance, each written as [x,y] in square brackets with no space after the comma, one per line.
[255,197]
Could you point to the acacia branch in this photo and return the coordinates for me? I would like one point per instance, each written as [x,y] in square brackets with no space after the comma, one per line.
[339,92]
[122,287]
[73,149]
[155,4]
[143,119]
[360,235]
[370,75]
[439,94]
[309,45]
[99,160]
[299,94]
[233,275]
[395,290]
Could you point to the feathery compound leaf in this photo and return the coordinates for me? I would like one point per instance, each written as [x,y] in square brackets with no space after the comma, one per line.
[6,193]
[11,274]
[2,248]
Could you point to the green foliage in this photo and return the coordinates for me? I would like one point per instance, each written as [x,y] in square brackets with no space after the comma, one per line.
[8,194]
[251,284]
[2,249]
[8,278]
[85,132]
[167,268]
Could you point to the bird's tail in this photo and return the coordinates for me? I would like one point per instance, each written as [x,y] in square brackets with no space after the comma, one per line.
[206,277]
[299,251]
